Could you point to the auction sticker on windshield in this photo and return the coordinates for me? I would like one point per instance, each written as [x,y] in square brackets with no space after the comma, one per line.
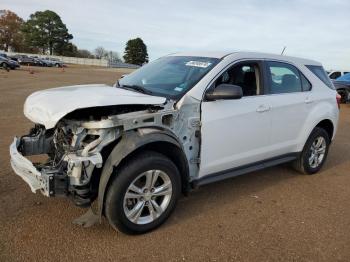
[198,64]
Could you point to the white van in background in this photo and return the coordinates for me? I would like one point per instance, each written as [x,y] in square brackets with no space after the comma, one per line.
[334,74]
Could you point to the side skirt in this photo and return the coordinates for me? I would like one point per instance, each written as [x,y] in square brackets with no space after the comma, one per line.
[237,171]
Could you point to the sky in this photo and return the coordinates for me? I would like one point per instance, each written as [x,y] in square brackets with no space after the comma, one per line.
[312,29]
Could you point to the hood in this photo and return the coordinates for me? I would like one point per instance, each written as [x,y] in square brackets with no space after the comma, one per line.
[47,107]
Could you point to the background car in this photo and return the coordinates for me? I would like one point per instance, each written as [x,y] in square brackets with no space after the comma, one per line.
[342,85]
[12,58]
[42,62]
[334,74]
[37,61]
[8,63]
[24,60]
[48,62]
[55,62]
[8,57]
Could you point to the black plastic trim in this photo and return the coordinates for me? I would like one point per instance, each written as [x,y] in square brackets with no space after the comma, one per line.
[237,171]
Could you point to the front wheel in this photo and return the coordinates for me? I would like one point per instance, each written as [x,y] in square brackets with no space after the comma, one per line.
[314,153]
[4,66]
[143,193]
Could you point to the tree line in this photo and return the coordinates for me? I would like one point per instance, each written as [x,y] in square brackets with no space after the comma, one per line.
[45,33]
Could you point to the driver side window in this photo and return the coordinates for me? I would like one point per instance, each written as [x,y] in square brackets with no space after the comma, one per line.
[246,75]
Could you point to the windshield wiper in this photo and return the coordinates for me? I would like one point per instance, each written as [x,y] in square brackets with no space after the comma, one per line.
[137,88]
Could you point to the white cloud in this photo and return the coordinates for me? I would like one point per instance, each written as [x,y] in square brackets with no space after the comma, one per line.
[312,29]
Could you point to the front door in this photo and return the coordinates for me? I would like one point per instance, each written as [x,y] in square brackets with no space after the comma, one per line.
[236,132]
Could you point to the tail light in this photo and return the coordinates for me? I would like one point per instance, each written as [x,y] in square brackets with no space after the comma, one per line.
[338,97]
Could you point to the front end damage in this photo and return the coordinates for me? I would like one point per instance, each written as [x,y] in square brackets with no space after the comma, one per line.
[77,148]
[72,153]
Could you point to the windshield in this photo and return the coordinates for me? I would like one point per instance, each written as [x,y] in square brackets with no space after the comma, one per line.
[345,77]
[170,76]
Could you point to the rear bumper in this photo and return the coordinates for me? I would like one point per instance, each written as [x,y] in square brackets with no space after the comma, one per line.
[28,172]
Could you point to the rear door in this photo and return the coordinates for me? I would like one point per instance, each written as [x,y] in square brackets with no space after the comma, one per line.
[290,98]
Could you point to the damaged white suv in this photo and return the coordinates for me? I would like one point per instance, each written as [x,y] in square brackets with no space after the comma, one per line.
[182,121]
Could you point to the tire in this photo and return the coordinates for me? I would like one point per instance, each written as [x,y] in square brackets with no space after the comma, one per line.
[344,96]
[119,209]
[4,66]
[57,65]
[305,163]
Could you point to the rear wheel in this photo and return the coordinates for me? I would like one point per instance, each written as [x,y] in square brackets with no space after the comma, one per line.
[143,193]
[314,153]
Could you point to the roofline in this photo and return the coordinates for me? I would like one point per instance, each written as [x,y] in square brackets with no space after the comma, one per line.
[248,54]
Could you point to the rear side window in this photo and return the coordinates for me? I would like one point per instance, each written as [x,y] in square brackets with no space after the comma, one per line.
[334,75]
[321,74]
[283,78]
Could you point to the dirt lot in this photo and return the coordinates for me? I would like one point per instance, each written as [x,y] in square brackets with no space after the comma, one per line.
[272,215]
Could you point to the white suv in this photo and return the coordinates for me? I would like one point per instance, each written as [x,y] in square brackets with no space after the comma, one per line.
[180,122]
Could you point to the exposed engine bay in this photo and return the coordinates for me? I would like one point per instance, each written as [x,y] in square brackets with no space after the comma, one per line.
[80,143]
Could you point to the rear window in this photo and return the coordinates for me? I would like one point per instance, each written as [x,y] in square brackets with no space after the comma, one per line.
[321,74]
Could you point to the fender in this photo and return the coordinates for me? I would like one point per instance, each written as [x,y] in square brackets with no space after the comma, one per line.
[325,112]
[131,140]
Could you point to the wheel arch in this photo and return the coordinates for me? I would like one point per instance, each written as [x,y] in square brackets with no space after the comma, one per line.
[328,126]
[173,152]
[133,142]
[344,93]
[326,123]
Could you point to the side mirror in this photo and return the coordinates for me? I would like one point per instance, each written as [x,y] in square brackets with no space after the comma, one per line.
[224,91]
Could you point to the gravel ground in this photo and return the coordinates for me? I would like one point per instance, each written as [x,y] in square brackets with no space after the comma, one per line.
[272,215]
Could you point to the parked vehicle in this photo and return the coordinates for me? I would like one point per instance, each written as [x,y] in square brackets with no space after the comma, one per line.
[47,63]
[38,61]
[342,85]
[24,60]
[334,74]
[12,58]
[8,57]
[8,63]
[182,121]
[55,62]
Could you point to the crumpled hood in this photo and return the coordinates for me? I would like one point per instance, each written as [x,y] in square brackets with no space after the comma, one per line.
[47,107]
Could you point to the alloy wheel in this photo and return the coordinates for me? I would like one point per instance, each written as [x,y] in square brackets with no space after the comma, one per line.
[147,197]
[318,151]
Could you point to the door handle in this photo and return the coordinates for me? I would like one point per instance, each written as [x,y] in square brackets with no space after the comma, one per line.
[263,108]
[308,100]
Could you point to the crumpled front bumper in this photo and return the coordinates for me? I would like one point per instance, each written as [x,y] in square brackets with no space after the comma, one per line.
[28,172]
